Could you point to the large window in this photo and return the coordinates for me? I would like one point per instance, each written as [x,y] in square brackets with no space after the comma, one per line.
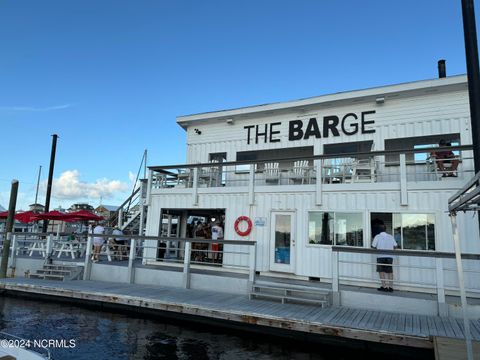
[335,228]
[418,142]
[412,231]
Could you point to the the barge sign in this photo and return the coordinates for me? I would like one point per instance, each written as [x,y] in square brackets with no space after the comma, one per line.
[331,125]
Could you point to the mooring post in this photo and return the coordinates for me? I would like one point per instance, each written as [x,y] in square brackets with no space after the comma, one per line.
[131,257]
[8,230]
[13,262]
[186,265]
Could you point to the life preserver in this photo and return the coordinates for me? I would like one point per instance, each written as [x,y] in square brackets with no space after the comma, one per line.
[249,225]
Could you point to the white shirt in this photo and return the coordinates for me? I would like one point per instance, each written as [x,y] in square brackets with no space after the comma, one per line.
[217,232]
[384,241]
[98,230]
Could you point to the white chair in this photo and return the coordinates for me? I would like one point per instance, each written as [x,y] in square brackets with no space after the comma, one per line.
[300,172]
[272,174]
[184,178]
[363,170]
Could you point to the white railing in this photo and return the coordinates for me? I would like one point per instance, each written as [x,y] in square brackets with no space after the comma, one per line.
[374,167]
[421,271]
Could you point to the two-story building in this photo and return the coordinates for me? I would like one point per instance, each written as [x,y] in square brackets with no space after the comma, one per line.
[301,176]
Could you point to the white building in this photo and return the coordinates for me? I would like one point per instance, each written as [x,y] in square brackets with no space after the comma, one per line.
[352,164]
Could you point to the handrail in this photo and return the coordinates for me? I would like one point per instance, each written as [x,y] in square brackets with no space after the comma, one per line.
[317,157]
[422,253]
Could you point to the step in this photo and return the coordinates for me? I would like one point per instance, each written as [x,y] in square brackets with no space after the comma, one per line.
[60,267]
[46,277]
[285,299]
[54,272]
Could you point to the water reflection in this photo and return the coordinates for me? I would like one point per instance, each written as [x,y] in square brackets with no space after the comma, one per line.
[105,335]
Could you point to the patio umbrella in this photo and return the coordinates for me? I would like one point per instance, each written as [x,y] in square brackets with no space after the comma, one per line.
[53,215]
[26,216]
[83,215]
[3,214]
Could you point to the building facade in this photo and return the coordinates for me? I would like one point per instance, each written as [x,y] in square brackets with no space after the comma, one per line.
[314,173]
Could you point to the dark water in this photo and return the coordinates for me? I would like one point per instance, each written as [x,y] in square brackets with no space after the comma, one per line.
[107,335]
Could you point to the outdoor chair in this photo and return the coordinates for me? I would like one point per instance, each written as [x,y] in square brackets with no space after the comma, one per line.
[300,172]
[272,174]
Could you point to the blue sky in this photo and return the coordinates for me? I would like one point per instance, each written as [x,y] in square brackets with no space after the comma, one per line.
[109,77]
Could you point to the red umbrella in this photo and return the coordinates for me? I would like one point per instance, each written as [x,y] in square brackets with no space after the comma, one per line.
[54,215]
[3,214]
[83,215]
[26,217]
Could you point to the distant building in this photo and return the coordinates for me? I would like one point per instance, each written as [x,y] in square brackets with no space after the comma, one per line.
[76,207]
[36,207]
[106,211]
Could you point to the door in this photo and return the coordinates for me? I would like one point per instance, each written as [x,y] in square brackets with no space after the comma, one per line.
[282,243]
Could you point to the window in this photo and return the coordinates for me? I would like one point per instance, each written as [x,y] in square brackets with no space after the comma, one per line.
[412,231]
[335,228]
[418,142]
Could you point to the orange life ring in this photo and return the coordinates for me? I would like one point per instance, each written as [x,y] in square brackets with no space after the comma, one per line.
[249,225]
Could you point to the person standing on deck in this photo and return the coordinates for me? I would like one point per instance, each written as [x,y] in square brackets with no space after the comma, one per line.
[384,241]
[217,234]
[97,241]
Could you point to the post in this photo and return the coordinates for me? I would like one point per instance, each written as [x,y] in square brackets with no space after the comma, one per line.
[9,228]
[251,185]
[442,306]
[471,56]
[461,284]
[403,181]
[195,186]
[253,264]
[186,264]
[318,185]
[335,281]
[50,179]
[87,269]
[120,218]
[149,187]
[49,246]
[13,263]
[131,258]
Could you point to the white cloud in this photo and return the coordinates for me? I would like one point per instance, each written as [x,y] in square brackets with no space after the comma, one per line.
[36,109]
[69,186]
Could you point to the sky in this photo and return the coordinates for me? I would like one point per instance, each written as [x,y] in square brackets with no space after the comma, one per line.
[110,77]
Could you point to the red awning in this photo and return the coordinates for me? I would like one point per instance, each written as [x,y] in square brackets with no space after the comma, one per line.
[83,215]
[3,214]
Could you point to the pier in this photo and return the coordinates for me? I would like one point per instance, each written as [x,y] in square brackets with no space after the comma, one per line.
[343,323]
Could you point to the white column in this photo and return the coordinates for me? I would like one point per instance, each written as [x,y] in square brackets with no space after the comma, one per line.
[335,281]
[403,181]
[195,187]
[318,185]
[251,185]
[131,258]
[442,306]
[253,264]
[186,265]
[87,268]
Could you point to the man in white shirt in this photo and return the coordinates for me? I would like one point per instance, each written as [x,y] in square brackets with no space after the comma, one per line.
[384,241]
[217,234]
[97,241]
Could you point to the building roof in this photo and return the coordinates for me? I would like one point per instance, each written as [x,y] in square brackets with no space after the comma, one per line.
[108,207]
[423,86]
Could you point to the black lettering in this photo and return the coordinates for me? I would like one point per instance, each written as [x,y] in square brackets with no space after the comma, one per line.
[295,131]
[264,134]
[248,132]
[330,123]
[312,129]
[353,125]
[274,132]
[365,122]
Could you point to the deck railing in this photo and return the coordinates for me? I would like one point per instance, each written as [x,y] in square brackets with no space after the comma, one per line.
[366,167]
[423,271]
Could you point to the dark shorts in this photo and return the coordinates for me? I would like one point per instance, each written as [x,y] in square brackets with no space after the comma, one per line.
[383,265]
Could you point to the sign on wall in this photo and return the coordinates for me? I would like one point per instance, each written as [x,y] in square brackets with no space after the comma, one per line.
[328,126]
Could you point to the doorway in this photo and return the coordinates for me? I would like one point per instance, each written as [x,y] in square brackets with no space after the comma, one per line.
[282,242]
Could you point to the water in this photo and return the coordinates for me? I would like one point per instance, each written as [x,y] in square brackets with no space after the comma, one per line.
[106,335]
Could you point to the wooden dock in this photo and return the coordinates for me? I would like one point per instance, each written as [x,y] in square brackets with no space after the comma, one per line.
[374,326]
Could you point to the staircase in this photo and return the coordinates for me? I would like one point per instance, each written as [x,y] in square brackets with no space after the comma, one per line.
[290,292]
[58,272]
[129,215]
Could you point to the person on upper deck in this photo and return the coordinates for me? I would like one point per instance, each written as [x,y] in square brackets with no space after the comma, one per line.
[445,157]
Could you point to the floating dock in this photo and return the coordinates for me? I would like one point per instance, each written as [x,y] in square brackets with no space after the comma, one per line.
[342,323]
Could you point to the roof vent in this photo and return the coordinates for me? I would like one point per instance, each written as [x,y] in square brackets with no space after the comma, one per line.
[442,71]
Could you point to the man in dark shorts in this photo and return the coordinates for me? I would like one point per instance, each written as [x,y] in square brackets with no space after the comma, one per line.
[384,241]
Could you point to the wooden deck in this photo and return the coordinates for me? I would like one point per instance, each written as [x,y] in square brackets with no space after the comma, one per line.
[376,326]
